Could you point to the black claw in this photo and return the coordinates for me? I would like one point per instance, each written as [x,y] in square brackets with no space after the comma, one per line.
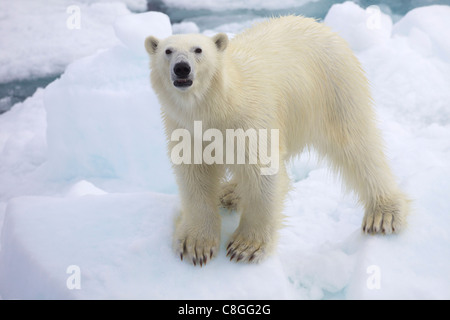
[234,254]
[194,261]
[181,256]
[239,258]
[211,253]
[201,263]
[229,245]
[251,258]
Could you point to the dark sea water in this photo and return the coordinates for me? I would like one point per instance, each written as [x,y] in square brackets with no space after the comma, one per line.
[17,91]
[316,8]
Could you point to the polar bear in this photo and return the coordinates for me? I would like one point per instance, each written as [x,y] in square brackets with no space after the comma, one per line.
[291,74]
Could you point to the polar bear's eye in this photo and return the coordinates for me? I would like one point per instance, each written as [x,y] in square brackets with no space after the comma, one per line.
[198,50]
[168,51]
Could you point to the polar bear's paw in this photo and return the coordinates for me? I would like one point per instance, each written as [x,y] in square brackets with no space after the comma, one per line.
[249,246]
[386,217]
[228,198]
[197,245]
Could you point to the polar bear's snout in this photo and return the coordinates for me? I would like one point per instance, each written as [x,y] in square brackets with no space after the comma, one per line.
[182,70]
[182,75]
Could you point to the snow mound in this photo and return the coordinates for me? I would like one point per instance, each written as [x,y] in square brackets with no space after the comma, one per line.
[47,45]
[104,119]
[84,188]
[185,27]
[361,28]
[134,28]
[423,27]
[119,247]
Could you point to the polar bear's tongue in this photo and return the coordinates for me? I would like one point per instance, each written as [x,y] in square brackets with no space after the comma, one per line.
[182,83]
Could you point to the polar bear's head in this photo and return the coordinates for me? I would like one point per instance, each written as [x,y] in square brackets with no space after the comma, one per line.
[186,62]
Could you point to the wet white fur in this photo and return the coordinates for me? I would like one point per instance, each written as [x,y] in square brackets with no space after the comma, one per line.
[288,73]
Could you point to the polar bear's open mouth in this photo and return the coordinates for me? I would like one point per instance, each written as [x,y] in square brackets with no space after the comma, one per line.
[183,83]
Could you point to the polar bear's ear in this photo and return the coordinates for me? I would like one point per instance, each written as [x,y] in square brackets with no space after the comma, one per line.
[221,41]
[151,44]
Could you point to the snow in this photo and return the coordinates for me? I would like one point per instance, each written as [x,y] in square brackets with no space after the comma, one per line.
[47,45]
[185,27]
[423,28]
[87,194]
[99,119]
[124,252]
[133,29]
[369,27]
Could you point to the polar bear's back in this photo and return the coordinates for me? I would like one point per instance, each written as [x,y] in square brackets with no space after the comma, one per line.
[294,46]
[307,68]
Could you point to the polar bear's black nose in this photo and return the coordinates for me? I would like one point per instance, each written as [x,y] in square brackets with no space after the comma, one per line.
[182,69]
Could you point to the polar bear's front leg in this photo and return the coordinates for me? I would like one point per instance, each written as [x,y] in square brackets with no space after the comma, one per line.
[197,230]
[261,204]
